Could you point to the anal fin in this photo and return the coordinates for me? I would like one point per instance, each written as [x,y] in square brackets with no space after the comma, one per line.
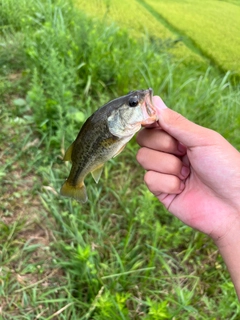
[96,173]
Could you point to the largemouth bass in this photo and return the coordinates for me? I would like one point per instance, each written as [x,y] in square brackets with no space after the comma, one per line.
[103,136]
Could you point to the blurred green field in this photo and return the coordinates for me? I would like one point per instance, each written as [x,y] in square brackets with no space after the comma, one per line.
[121,256]
[209,28]
[139,22]
[214,26]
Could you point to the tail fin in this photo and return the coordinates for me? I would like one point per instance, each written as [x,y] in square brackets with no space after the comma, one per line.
[78,192]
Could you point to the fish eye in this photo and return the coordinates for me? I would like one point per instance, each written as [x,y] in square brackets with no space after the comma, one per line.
[133,101]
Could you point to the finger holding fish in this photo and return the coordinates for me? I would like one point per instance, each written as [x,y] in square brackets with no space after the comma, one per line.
[157,139]
[162,162]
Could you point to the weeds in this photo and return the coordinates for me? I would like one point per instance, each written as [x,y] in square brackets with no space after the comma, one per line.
[120,256]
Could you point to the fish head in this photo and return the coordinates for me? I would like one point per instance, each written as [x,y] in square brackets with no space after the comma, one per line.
[130,112]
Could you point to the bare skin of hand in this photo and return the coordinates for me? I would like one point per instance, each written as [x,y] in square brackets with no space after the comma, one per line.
[195,173]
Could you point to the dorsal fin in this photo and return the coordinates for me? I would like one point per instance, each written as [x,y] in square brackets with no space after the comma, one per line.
[68,154]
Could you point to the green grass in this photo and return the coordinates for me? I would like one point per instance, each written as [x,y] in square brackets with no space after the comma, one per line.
[122,255]
[213,27]
[191,30]
[139,22]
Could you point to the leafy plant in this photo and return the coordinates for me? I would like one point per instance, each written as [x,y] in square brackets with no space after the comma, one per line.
[121,255]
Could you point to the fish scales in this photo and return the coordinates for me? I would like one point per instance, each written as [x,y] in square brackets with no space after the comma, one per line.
[103,136]
[92,149]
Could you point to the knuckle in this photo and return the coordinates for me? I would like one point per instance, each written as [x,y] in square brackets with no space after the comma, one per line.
[178,118]
[156,184]
[168,143]
[212,137]
[176,165]
[172,164]
[216,137]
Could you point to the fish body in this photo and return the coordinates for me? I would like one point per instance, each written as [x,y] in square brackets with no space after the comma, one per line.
[103,136]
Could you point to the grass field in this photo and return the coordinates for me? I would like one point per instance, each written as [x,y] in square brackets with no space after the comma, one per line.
[139,22]
[214,27]
[122,255]
[206,32]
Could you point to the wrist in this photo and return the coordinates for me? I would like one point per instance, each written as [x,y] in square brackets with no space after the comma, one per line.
[231,235]
[229,248]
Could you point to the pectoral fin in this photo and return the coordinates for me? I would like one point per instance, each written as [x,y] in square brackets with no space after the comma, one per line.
[97,173]
[68,154]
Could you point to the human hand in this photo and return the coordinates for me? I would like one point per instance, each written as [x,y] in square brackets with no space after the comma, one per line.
[193,171]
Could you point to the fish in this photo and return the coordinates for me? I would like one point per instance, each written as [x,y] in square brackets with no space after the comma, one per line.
[103,136]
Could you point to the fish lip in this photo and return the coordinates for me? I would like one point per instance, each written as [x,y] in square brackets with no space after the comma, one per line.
[150,95]
[151,111]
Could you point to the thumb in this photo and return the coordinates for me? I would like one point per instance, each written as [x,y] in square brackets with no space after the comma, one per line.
[182,129]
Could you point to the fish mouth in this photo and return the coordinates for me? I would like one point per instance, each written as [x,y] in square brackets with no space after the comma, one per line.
[151,96]
[150,110]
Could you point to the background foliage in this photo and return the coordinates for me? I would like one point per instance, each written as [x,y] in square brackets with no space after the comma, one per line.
[120,256]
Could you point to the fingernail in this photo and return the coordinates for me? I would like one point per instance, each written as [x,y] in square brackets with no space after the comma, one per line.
[181,148]
[185,171]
